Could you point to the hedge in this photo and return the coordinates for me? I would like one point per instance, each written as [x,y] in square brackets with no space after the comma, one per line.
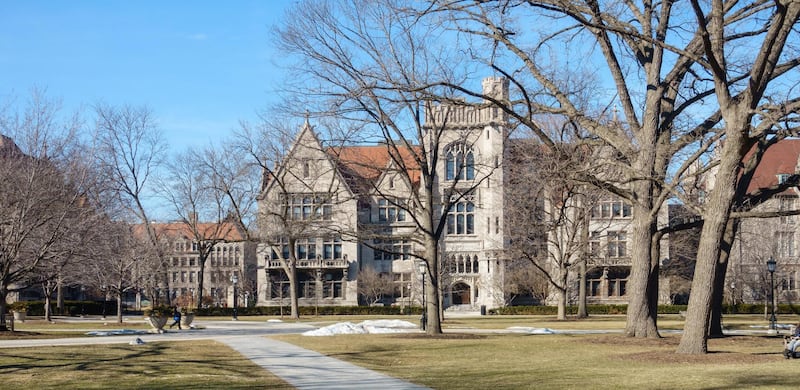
[622,309]
[76,308]
[310,310]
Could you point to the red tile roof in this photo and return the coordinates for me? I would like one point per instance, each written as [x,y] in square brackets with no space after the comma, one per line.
[780,158]
[369,162]
[225,231]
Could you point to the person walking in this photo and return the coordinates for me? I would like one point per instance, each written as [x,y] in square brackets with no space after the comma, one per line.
[176,315]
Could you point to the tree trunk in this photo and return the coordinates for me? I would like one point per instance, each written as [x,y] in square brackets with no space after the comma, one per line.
[562,294]
[119,307]
[433,296]
[293,300]
[48,315]
[583,311]
[562,304]
[200,276]
[3,305]
[716,216]
[641,318]
[715,327]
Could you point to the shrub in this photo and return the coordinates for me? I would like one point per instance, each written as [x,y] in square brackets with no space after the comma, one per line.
[19,306]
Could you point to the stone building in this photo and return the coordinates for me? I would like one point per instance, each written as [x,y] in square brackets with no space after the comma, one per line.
[327,202]
[229,255]
[323,196]
[758,239]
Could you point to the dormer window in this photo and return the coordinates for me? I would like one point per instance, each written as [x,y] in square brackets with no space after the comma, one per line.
[783,177]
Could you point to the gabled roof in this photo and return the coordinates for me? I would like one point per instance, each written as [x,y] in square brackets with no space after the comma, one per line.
[8,148]
[780,158]
[369,162]
[225,231]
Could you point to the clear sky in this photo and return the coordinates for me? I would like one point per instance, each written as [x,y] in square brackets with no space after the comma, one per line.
[200,66]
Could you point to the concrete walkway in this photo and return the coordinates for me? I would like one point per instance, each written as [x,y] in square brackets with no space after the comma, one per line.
[306,369]
[301,368]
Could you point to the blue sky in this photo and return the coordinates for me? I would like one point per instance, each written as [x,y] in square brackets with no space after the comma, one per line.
[201,66]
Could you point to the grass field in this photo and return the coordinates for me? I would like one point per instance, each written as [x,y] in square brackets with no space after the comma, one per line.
[463,358]
[184,365]
[563,361]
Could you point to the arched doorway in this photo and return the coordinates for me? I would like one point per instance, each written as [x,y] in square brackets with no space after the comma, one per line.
[460,294]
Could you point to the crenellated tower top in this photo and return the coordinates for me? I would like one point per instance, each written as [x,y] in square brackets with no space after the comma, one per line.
[471,114]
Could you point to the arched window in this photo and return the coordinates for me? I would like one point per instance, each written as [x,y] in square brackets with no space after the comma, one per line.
[459,163]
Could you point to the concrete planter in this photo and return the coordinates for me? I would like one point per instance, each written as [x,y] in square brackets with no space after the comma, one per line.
[157,322]
[20,316]
[186,319]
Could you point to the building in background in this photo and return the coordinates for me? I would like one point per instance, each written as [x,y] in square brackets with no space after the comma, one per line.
[230,255]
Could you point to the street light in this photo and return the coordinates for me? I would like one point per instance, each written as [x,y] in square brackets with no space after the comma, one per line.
[771,268]
[423,321]
[234,280]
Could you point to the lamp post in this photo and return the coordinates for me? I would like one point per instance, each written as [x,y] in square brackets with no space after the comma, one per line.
[423,321]
[771,263]
[234,280]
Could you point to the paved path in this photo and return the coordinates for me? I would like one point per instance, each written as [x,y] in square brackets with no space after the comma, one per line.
[299,367]
[306,369]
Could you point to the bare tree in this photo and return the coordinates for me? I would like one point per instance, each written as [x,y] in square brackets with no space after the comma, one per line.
[130,151]
[745,87]
[46,218]
[373,286]
[523,279]
[201,207]
[377,68]
[119,261]
[303,196]
[660,79]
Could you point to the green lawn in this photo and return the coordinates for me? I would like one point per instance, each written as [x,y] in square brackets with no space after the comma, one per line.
[462,358]
[173,365]
[563,361]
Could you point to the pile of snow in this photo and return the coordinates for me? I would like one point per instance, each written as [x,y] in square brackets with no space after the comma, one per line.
[365,327]
[529,330]
[116,332]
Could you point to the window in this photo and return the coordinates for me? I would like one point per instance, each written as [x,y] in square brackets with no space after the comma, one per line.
[787,203]
[459,163]
[612,208]
[308,206]
[306,249]
[402,285]
[392,249]
[332,249]
[785,243]
[390,212]
[332,286]
[617,244]
[462,264]
[461,218]
[594,244]
[783,177]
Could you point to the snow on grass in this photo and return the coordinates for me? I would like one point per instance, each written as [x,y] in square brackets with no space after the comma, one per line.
[365,327]
[529,330]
